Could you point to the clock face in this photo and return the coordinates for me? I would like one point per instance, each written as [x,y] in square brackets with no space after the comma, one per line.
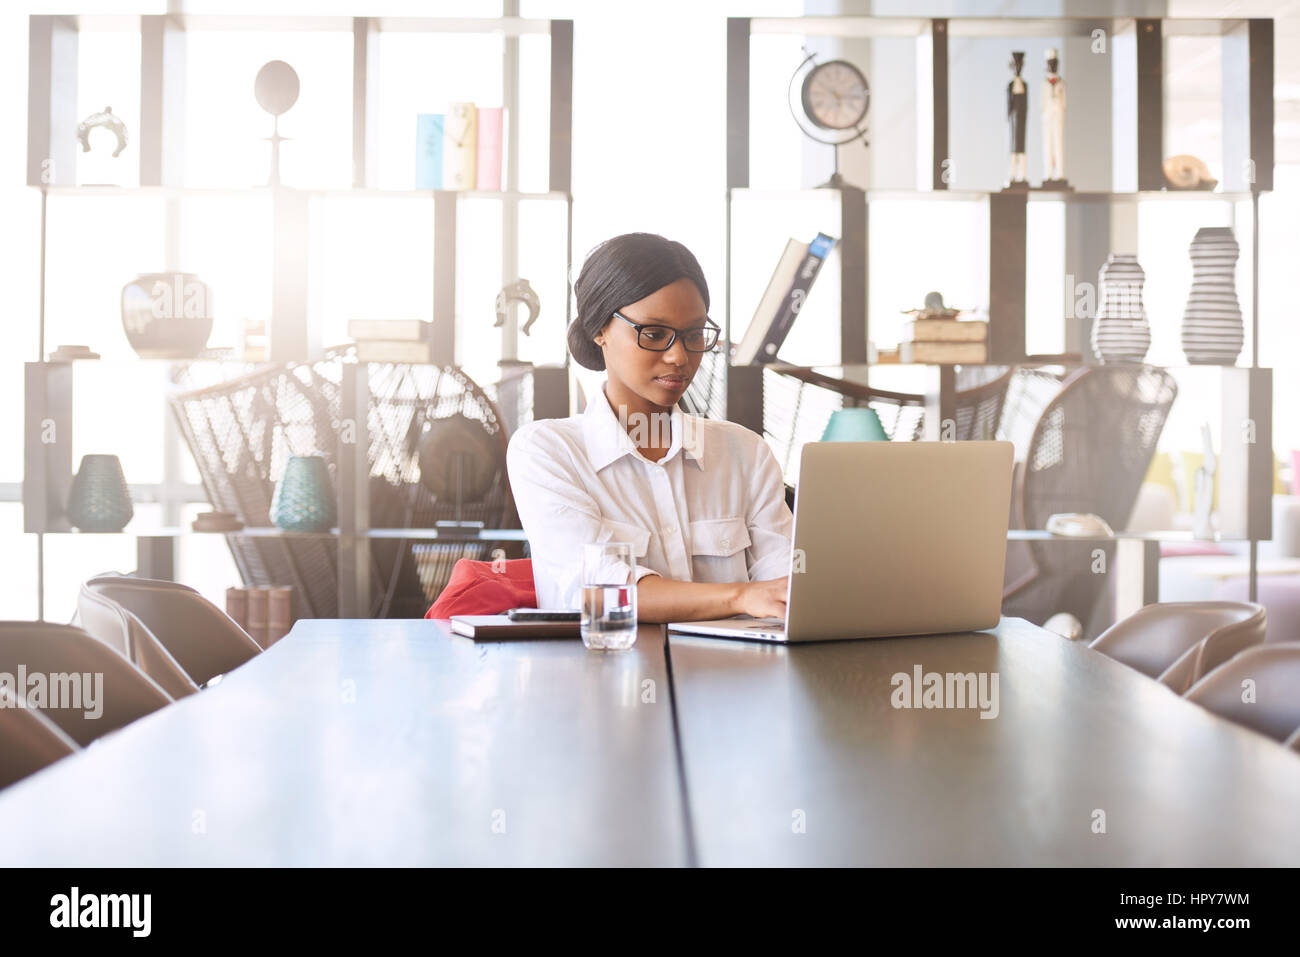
[836,95]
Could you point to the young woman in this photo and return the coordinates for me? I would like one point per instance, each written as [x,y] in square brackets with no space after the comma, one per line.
[701,501]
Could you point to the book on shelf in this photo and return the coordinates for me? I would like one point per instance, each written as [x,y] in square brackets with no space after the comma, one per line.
[786,293]
[259,601]
[265,612]
[382,350]
[946,330]
[279,614]
[237,606]
[428,150]
[391,330]
[942,352]
[460,147]
[491,124]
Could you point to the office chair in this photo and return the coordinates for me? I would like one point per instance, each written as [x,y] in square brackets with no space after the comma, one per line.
[1273,707]
[1179,643]
[1293,742]
[121,630]
[48,649]
[198,635]
[29,741]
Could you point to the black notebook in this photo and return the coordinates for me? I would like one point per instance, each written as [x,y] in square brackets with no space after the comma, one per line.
[497,627]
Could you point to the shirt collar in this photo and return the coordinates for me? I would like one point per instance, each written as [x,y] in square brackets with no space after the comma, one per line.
[607,440]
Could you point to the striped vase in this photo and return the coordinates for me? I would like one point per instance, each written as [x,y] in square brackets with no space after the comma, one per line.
[1212,329]
[1121,332]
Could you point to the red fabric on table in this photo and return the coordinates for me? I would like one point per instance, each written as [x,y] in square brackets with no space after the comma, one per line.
[486,588]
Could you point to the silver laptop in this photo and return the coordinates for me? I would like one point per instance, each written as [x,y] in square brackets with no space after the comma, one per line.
[890,539]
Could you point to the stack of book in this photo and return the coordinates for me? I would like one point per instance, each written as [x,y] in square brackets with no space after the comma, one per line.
[392,340]
[944,339]
[255,346]
[459,149]
[265,613]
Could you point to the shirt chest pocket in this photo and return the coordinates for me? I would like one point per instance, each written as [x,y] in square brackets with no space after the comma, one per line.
[718,550]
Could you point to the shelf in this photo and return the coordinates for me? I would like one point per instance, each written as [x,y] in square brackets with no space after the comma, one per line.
[159,140]
[203,192]
[481,535]
[870,27]
[506,26]
[1171,535]
[975,195]
[1050,360]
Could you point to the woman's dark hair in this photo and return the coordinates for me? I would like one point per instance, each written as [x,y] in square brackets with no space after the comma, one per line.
[620,271]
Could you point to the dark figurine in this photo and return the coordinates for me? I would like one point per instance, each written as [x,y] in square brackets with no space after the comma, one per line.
[1017,116]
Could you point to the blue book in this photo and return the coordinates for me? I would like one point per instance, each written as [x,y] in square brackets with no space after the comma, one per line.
[428,151]
[782,300]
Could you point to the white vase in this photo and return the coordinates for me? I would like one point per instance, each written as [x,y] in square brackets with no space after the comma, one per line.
[1121,332]
[1212,328]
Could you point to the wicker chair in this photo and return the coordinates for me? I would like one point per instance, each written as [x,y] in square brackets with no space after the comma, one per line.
[242,429]
[798,402]
[1089,451]
[706,396]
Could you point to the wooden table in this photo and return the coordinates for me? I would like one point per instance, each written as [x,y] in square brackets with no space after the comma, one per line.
[378,742]
[396,743]
[796,756]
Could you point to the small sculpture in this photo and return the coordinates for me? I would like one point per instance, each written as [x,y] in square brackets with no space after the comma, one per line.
[1188,172]
[276,90]
[1017,115]
[110,121]
[934,308]
[517,291]
[1053,113]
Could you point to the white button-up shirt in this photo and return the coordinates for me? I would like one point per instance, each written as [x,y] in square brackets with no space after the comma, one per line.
[711,510]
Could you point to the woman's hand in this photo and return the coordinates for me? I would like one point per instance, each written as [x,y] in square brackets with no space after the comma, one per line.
[765,599]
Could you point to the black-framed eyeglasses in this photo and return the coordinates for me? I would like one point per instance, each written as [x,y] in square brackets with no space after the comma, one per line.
[661,338]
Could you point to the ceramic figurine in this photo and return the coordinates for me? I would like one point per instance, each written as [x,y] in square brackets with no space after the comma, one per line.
[1017,115]
[1053,114]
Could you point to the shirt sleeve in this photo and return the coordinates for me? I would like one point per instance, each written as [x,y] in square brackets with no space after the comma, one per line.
[559,516]
[771,525]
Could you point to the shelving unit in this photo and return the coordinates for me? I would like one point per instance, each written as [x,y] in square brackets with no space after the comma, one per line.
[51,165]
[1092,217]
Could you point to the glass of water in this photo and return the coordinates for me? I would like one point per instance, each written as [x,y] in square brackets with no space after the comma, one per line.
[608,596]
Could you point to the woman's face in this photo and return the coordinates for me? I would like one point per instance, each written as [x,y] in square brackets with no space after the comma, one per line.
[660,378]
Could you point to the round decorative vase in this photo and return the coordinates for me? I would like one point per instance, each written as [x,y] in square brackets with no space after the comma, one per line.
[1121,332]
[167,315]
[98,500]
[304,499]
[1212,328]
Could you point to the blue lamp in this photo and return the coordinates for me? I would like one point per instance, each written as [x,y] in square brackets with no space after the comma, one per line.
[854,425]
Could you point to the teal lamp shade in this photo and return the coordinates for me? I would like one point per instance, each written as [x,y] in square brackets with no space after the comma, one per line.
[98,500]
[304,499]
[854,425]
